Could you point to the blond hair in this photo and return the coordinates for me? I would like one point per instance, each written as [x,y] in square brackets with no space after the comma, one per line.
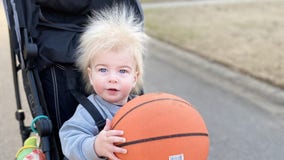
[116,27]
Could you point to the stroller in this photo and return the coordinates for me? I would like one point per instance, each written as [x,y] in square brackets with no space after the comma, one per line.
[43,39]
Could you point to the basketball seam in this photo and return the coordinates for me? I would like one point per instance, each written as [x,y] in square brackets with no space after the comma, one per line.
[162,137]
[161,99]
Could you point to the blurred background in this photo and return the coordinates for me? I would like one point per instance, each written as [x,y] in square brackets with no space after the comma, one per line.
[245,35]
[223,56]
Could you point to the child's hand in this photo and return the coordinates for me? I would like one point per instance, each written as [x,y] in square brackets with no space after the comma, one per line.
[104,144]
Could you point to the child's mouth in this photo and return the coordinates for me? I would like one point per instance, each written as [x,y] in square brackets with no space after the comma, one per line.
[112,89]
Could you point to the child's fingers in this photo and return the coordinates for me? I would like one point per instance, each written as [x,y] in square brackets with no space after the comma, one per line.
[108,125]
[114,133]
[115,139]
[120,150]
[113,157]
[116,150]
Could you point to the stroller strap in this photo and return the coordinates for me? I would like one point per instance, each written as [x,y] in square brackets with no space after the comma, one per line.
[82,99]
[89,106]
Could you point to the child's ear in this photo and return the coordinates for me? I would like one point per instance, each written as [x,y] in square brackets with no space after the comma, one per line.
[90,75]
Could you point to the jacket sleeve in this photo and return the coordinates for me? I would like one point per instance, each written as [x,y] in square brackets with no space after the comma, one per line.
[77,136]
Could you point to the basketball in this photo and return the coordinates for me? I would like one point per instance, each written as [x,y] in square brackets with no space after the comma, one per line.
[161,126]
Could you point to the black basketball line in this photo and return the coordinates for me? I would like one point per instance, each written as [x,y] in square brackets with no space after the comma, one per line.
[161,99]
[161,138]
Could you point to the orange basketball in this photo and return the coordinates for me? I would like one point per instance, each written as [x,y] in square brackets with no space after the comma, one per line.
[160,126]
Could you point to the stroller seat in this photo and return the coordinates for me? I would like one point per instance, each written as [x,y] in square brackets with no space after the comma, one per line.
[44,37]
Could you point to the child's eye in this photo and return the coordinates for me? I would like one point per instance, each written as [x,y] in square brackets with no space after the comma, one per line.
[102,70]
[123,71]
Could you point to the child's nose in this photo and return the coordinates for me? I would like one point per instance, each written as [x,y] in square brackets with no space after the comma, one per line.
[113,78]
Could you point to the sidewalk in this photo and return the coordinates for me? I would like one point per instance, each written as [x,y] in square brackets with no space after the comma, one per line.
[268,97]
[10,139]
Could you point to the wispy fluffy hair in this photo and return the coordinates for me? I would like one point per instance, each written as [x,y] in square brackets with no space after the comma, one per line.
[116,27]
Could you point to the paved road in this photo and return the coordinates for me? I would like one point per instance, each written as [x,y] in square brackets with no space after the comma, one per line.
[245,117]
[10,140]
[9,137]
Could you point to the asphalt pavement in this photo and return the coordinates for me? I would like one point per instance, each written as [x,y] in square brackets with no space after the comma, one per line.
[9,137]
[245,116]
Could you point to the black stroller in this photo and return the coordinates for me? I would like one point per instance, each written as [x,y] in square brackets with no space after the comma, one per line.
[43,39]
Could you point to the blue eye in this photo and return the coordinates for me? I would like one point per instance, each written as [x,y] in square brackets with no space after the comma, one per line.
[122,71]
[102,70]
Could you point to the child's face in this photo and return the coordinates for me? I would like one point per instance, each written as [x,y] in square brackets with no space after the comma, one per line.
[113,75]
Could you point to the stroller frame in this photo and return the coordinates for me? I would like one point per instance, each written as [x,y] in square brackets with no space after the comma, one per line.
[24,52]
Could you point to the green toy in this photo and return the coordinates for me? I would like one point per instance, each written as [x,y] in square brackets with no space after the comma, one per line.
[30,150]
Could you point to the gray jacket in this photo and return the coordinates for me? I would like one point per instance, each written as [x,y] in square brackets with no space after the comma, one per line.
[78,134]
